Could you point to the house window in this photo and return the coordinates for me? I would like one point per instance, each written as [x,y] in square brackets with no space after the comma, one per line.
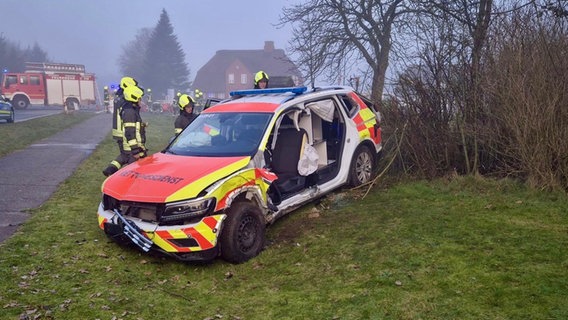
[231,78]
[243,78]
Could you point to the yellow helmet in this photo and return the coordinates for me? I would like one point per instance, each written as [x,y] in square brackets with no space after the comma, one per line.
[133,93]
[149,90]
[127,81]
[105,87]
[184,101]
[261,75]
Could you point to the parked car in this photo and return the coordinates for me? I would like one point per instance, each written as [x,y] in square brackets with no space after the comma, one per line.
[238,167]
[6,110]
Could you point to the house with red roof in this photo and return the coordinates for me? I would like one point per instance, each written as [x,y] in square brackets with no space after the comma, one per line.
[230,70]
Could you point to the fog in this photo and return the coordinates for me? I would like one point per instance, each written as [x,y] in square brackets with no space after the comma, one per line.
[93,32]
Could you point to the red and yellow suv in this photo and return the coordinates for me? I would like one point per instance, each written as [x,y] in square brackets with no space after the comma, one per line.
[242,164]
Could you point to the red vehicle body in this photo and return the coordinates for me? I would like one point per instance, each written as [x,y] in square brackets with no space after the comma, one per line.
[55,84]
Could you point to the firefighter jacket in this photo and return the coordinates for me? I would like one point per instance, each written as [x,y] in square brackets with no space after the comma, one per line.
[182,121]
[116,117]
[134,133]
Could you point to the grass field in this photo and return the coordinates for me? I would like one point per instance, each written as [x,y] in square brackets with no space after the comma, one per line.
[16,136]
[456,248]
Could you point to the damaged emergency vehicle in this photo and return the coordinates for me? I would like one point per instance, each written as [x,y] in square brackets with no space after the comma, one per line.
[238,167]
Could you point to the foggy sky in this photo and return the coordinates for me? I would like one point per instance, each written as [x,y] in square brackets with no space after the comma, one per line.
[93,32]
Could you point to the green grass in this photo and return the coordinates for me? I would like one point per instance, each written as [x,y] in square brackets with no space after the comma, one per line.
[16,136]
[462,248]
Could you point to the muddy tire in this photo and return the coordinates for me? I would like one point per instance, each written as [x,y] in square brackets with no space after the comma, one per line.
[243,233]
[363,166]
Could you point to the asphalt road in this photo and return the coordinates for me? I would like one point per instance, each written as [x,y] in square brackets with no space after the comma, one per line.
[35,112]
[29,177]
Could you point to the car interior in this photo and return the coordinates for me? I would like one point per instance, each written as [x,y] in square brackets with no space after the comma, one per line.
[315,127]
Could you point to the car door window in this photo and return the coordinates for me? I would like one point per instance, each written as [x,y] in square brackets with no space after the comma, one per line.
[351,107]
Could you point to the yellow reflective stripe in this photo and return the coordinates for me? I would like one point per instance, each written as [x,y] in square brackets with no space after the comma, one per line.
[101,221]
[177,130]
[129,124]
[364,134]
[161,242]
[133,142]
[193,189]
[138,136]
[234,182]
[366,114]
[116,164]
[177,234]
[206,232]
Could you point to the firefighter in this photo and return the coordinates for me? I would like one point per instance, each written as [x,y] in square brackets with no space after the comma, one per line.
[186,115]
[149,94]
[261,80]
[106,98]
[118,101]
[133,132]
[175,103]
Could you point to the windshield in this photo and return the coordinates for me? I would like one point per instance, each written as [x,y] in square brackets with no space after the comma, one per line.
[222,135]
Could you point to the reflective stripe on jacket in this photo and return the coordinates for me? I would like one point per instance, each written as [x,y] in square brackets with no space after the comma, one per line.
[133,136]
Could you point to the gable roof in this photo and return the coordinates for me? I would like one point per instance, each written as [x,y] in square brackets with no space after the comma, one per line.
[211,77]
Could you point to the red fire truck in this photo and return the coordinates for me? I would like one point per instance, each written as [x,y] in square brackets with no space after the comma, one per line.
[58,84]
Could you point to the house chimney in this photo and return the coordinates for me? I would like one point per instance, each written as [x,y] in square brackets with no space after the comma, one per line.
[268,46]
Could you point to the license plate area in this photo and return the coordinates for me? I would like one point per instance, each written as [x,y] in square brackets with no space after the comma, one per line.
[132,232]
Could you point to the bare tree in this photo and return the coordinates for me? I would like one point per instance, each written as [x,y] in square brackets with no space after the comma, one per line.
[311,59]
[527,82]
[132,58]
[347,32]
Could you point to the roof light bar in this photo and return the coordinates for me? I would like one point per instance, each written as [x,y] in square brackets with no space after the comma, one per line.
[294,90]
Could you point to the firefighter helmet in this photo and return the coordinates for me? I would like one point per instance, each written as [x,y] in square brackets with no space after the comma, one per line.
[127,81]
[260,76]
[133,93]
[185,101]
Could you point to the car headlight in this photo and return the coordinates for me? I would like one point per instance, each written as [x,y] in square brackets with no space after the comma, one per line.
[187,209]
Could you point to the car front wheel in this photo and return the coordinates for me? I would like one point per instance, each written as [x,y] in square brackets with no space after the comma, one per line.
[362,166]
[243,233]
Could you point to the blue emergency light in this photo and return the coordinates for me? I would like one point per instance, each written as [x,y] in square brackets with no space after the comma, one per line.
[294,90]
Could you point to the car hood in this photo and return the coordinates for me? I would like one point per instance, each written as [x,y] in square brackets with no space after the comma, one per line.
[163,178]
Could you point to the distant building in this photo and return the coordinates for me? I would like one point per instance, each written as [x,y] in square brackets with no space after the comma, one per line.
[231,70]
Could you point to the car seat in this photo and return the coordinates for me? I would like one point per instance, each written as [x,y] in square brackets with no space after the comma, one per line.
[285,157]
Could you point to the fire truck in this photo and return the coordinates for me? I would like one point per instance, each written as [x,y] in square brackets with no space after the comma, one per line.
[50,84]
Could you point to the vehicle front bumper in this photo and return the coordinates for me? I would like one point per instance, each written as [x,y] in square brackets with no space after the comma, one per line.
[178,240]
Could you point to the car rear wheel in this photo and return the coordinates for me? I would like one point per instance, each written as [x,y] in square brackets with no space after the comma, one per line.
[243,233]
[362,167]
[12,117]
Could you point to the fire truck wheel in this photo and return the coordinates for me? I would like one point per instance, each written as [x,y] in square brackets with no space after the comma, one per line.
[20,102]
[242,237]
